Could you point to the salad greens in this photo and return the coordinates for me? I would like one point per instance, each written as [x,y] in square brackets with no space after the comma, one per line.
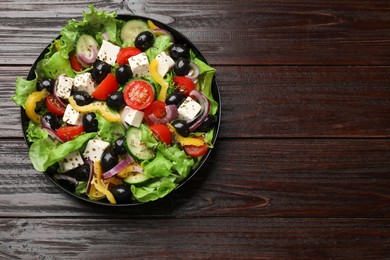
[108,144]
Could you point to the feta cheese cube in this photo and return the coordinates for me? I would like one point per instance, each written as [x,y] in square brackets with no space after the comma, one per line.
[132,117]
[165,63]
[71,161]
[72,116]
[95,149]
[108,52]
[84,82]
[139,64]
[64,86]
[189,109]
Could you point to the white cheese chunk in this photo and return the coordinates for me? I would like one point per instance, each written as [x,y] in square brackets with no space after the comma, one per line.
[72,116]
[189,109]
[165,63]
[71,161]
[64,86]
[139,64]
[84,82]
[95,149]
[108,52]
[132,117]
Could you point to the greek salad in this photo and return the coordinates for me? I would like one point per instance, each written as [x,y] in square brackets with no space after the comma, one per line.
[119,111]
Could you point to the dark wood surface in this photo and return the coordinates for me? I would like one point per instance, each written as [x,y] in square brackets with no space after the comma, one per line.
[301,167]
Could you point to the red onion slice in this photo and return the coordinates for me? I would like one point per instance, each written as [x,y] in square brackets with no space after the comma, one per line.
[205,104]
[105,36]
[159,32]
[194,72]
[137,169]
[88,61]
[171,113]
[52,134]
[117,168]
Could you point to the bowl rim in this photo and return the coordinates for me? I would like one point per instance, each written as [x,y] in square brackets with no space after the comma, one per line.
[214,88]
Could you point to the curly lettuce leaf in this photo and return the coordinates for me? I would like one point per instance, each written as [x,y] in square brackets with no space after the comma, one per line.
[54,66]
[46,152]
[161,43]
[35,132]
[153,191]
[23,89]
[158,167]
[109,131]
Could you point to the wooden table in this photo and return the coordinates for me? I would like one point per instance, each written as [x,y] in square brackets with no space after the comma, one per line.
[301,168]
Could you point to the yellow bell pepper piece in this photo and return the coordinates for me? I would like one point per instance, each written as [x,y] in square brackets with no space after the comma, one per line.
[185,140]
[127,171]
[98,183]
[31,104]
[98,106]
[152,25]
[160,80]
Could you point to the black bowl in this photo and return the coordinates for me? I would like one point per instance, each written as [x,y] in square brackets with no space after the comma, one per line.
[179,38]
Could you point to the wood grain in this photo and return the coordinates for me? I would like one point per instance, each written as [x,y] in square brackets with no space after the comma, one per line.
[199,238]
[227,32]
[281,101]
[241,178]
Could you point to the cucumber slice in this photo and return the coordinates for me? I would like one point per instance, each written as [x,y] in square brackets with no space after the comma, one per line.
[135,145]
[131,29]
[85,44]
[136,178]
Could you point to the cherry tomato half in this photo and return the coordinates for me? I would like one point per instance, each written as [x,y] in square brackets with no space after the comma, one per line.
[196,151]
[157,108]
[184,84]
[138,94]
[76,66]
[67,133]
[54,106]
[125,53]
[106,87]
[162,132]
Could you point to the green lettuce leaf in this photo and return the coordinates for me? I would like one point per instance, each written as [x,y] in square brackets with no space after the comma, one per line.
[81,188]
[54,66]
[109,131]
[35,132]
[153,191]
[46,152]
[182,164]
[161,43]
[158,167]
[23,89]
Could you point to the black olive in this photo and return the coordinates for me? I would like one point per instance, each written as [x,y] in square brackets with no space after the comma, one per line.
[109,159]
[121,193]
[207,124]
[176,98]
[115,100]
[119,145]
[181,127]
[82,98]
[80,173]
[90,122]
[144,40]
[47,84]
[100,70]
[179,51]
[53,120]
[123,74]
[182,66]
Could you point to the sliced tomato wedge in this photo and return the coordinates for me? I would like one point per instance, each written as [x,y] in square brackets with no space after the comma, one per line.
[162,132]
[157,108]
[138,94]
[106,87]
[184,84]
[76,66]
[196,151]
[125,53]
[54,106]
[67,133]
